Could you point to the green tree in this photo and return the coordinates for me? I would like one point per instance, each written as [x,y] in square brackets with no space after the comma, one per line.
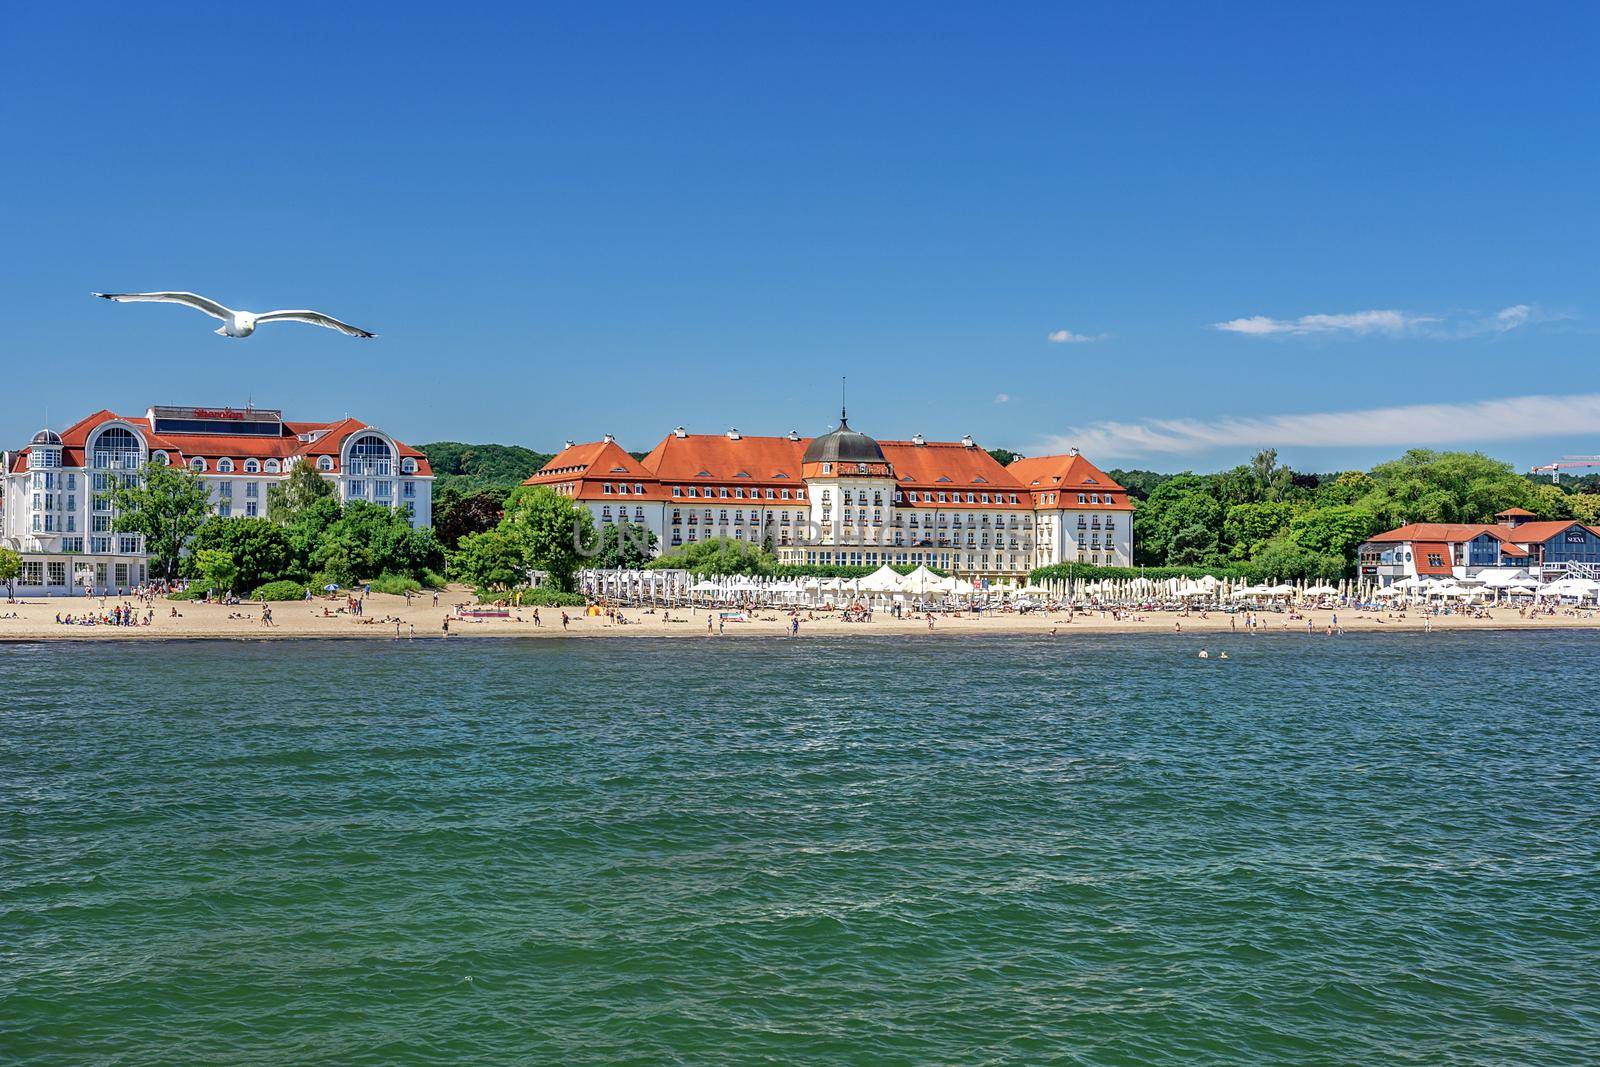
[1548,501]
[557,531]
[260,549]
[1004,456]
[1193,545]
[368,540]
[624,544]
[493,559]
[217,568]
[1247,526]
[1272,482]
[10,567]
[296,492]
[458,512]
[1283,560]
[1426,486]
[719,556]
[165,504]
[1333,531]
[471,468]
[1586,508]
[306,527]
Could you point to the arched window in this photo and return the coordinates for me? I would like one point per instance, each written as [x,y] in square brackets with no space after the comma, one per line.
[272,466]
[197,463]
[159,458]
[117,449]
[325,463]
[252,466]
[225,465]
[408,466]
[370,454]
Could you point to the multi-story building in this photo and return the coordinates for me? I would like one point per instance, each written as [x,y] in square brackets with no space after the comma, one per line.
[1547,550]
[845,498]
[58,508]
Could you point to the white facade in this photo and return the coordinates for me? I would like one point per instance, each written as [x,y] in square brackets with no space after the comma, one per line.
[58,513]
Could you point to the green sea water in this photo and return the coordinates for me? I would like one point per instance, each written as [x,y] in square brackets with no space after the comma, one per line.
[1022,850]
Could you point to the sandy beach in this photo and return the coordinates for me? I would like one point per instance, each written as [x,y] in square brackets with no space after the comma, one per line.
[36,620]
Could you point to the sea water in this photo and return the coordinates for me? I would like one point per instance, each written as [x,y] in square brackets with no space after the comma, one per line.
[1086,849]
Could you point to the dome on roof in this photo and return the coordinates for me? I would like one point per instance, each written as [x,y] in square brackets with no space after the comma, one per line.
[843,445]
[46,437]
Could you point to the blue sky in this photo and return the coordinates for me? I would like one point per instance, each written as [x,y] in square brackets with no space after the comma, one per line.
[570,220]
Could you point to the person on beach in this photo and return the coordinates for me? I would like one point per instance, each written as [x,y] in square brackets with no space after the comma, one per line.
[794,626]
[447,626]
[565,620]
[708,625]
[536,620]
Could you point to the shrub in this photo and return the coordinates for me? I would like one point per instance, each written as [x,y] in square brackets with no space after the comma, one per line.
[280,590]
[395,584]
[543,597]
[194,592]
[432,579]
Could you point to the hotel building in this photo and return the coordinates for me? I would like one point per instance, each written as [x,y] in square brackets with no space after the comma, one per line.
[57,509]
[1546,550]
[845,498]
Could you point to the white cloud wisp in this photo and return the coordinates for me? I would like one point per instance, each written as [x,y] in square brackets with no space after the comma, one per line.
[1067,337]
[1411,425]
[1385,323]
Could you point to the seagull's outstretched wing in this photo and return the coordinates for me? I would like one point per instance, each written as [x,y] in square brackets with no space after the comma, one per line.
[315,318]
[199,303]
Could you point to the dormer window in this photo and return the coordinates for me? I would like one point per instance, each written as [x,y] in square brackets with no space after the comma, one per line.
[159,458]
[861,468]
[325,463]
[827,468]
[252,466]
[224,466]
[273,466]
[198,463]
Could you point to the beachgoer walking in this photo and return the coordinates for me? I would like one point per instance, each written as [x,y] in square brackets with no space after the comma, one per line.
[447,626]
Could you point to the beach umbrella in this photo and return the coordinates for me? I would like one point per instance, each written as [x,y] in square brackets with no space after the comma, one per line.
[1321,590]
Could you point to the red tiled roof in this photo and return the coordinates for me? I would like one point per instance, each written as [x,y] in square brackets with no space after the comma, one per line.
[1421,551]
[1068,474]
[585,470]
[183,447]
[697,458]
[1518,513]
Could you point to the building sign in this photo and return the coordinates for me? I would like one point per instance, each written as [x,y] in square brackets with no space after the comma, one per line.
[216,413]
[1577,539]
[1369,569]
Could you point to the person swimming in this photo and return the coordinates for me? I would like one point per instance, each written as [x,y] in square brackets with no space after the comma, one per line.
[1204,654]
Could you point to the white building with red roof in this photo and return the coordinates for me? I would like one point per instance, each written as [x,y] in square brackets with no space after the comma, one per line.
[1547,549]
[845,498]
[57,508]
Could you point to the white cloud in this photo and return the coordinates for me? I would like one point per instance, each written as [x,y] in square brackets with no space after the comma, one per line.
[1357,322]
[1067,337]
[1512,317]
[1411,425]
[1387,323]
[1002,398]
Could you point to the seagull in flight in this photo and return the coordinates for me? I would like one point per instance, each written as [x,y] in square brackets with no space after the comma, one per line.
[236,323]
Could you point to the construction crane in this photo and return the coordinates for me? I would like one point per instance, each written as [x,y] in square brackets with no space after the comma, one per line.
[1566,463]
